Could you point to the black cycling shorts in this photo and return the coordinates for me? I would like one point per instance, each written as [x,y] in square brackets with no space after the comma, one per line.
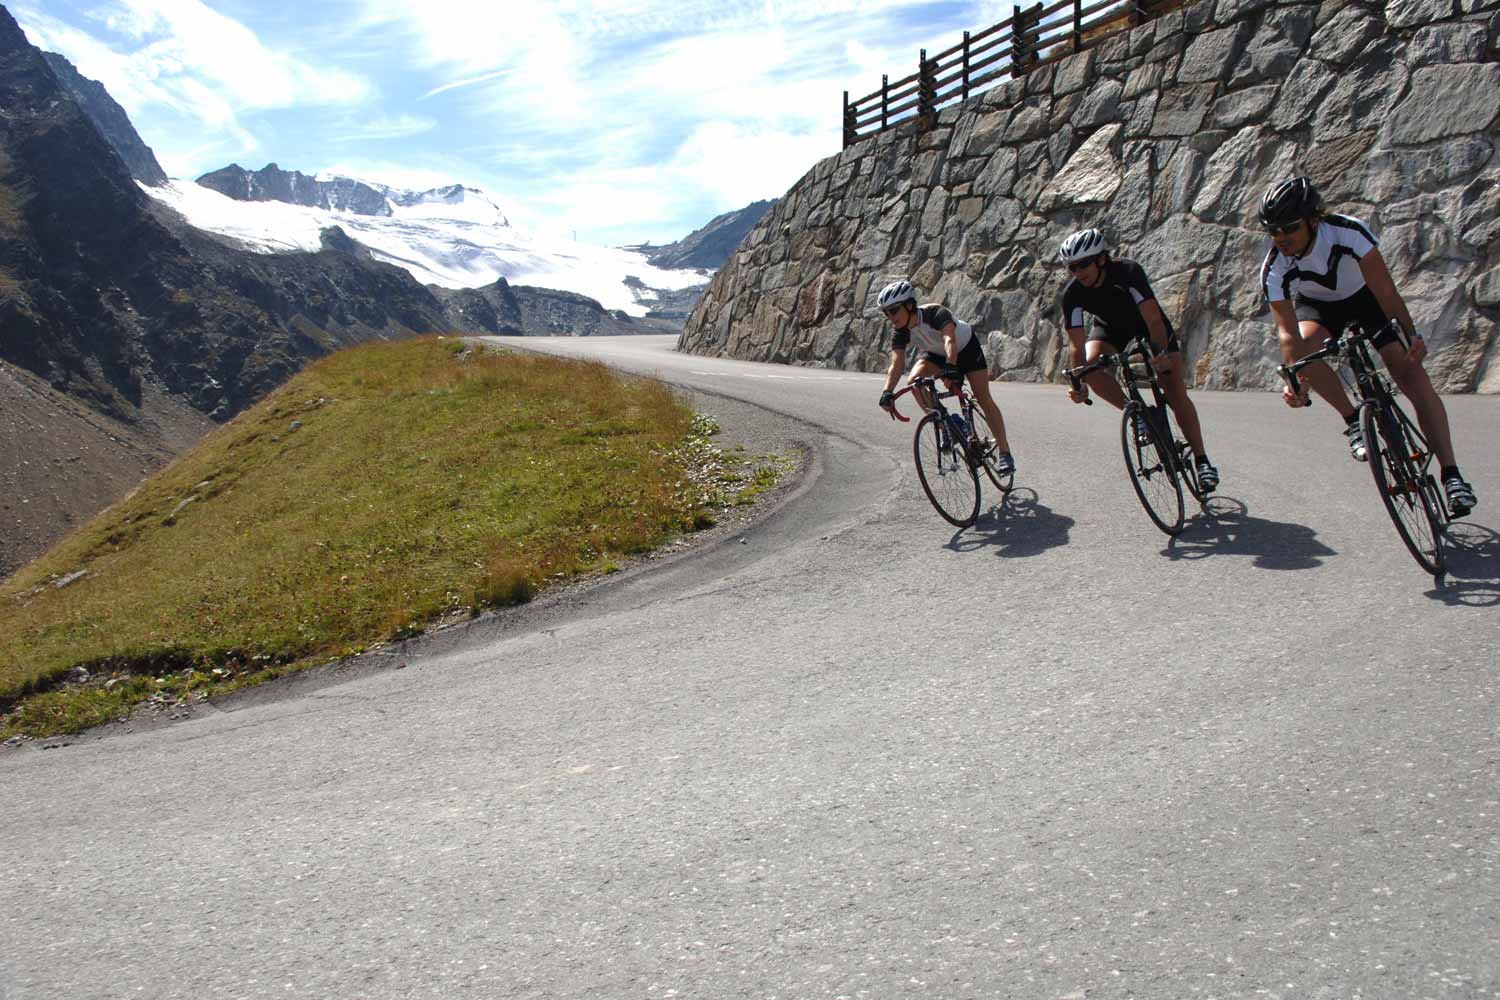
[1359,309]
[970,359]
[1119,343]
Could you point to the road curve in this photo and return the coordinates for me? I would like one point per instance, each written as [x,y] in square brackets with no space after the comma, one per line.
[856,753]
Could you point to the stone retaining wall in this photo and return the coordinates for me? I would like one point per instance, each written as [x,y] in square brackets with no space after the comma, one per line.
[1166,137]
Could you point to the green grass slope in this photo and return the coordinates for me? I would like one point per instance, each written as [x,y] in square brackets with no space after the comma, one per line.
[382,489]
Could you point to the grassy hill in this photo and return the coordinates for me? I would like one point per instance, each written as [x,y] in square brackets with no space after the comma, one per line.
[383,489]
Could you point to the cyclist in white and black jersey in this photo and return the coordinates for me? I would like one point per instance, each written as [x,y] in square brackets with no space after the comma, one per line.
[946,348]
[1118,295]
[1325,272]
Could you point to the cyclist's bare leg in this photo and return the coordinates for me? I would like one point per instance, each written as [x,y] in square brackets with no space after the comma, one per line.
[1101,382]
[1432,415]
[1181,404]
[1319,376]
[979,385]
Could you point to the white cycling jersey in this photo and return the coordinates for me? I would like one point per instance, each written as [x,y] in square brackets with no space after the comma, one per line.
[926,331]
[1329,271]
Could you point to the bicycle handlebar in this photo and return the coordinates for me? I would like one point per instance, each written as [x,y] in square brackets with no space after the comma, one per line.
[925,382]
[1337,346]
[1075,375]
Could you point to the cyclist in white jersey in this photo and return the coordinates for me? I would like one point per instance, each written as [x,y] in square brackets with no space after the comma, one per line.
[1325,272]
[946,348]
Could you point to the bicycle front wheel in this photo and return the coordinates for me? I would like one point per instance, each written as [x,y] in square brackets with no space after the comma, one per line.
[947,478]
[1393,451]
[986,452]
[1153,472]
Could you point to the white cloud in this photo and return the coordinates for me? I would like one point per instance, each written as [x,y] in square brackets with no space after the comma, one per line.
[183,55]
[386,127]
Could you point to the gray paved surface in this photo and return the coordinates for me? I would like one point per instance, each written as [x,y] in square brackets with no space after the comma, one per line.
[856,754]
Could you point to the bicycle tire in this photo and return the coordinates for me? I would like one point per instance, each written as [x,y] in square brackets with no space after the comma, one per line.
[947,477]
[1406,492]
[979,429]
[1153,472]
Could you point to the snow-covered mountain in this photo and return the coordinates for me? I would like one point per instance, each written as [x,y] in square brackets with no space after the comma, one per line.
[455,237]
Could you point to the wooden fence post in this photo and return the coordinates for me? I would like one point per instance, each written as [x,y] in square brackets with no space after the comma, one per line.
[926,93]
[849,136]
[1077,25]
[885,97]
[1023,43]
[966,65]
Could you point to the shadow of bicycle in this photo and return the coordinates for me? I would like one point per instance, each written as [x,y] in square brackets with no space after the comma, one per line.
[1019,525]
[1473,578]
[1226,528]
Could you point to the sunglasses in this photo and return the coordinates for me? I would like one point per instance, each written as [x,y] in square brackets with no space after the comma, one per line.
[1290,227]
[893,310]
[1082,265]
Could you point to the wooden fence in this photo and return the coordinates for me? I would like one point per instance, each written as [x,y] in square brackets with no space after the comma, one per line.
[1031,37]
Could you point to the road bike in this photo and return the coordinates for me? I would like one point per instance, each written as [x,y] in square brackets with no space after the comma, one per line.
[950,448]
[1397,453]
[1160,463]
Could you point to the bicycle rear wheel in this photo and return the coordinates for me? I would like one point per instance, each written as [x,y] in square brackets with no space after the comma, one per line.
[1153,472]
[986,451]
[947,478]
[1407,491]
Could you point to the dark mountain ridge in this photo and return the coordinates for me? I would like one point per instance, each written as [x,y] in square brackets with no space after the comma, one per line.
[709,246]
[110,119]
[271,183]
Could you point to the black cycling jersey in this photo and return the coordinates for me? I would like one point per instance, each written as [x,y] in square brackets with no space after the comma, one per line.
[1115,305]
[926,330]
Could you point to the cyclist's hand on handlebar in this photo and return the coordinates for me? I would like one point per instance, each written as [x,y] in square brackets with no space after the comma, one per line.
[1294,399]
[1161,362]
[1080,394]
[888,401]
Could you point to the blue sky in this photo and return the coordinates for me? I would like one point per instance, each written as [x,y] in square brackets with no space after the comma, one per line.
[623,120]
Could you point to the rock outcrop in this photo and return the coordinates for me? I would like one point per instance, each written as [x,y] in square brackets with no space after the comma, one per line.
[1165,136]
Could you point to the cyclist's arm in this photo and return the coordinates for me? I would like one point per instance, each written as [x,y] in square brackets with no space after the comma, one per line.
[1383,287]
[898,365]
[1155,322]
[1076,342]
[1287,330]
[950,344]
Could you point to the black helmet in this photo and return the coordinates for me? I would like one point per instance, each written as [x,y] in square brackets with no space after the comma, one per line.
[1289,201]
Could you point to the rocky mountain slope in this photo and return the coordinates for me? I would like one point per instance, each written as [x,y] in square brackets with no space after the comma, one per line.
[111,120]
[709,247]
[271,183]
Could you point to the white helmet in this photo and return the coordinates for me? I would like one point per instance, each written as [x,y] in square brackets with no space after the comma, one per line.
[895,293]
[1082,246]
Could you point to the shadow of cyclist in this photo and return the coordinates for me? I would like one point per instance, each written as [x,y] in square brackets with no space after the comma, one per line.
[1227,529]
[1473,578]
[1019,525]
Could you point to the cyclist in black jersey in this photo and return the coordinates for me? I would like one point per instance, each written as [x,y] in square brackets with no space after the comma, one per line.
[1118,295]
[947,348]
[1323,272]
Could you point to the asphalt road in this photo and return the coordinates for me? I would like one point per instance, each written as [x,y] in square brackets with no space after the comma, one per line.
[849,753]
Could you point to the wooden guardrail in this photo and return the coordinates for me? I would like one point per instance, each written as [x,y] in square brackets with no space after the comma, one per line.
[1031,37]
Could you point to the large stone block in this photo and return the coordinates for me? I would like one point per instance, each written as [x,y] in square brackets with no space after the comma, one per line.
[1233,10]
[1210,56]
[1447,101]
[998,174]
[1235,176]
[1091,175]
[1363,93]
[1180,244]
[1244,107]
[1345,36]
[1302,95]
[1027,122]
[1275,49]
[1448,43]
[1177,184]
[1074,72]
[1142,79]
[1478,222]
[1130,211]
[1181,111]
[1410,13]
[1391,174]
[1102,104]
